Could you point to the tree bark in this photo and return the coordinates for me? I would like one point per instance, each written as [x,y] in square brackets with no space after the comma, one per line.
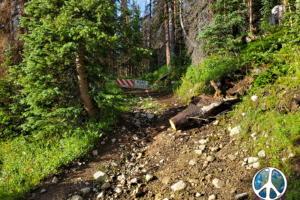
[250,15]
[175,20]
[83,83]
[200,108]
[149,64]
[167,34]
[181,22]
[171,30]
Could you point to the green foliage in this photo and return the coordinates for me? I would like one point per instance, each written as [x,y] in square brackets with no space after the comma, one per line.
[9,119]
[25,160]
[197,78]
[263,79]
[218,37]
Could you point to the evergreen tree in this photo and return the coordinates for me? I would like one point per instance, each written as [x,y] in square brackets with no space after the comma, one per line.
[219,37]
[63,36]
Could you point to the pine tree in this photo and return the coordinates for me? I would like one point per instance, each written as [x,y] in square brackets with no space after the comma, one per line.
[218,37]
[63,36]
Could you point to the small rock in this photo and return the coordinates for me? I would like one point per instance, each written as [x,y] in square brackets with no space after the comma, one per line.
[134,181]
[198,152]
[216,122]
[85,190]
[252,159]
[77,197]
[193,162]
[121,177]
[202,147]
[100,176]
[262,153]
[113,140]
[101,195]
[150,116]
[55,179]
[149,177]
[202,141]
[135,137]
[118,190]
[218,183]
[214,149]
[235,131]
[95,152]
[231,157]
[105,186]
[212,197]
[198,194]
[210,158]
[178,186]
[256,165]
[254,98]
[43,191]
[102,142]
[241,196]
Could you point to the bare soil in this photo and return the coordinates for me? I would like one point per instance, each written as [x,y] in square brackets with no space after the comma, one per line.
[166,157]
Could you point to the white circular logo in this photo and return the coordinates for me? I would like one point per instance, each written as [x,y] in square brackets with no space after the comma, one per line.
[269,183]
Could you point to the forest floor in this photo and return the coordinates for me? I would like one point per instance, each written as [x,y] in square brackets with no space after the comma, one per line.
[220,171]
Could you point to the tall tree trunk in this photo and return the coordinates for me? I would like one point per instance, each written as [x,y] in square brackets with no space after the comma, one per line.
[149,64]
[167,34]
[181,22]
[175,20]
[83,83]
[171,30]
[250,15]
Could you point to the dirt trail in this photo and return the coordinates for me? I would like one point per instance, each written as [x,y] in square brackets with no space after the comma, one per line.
[171,156]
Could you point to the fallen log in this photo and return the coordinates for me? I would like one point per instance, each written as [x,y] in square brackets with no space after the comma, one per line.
[202,106]
[163,77]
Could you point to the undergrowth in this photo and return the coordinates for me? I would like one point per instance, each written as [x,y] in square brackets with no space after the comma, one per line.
[25,159]
[275,124]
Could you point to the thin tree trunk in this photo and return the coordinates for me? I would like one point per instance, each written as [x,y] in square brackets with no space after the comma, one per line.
[181,22]
[250,15]
[83,83]
[149,64]
[167,34]
[175,20]
[171,30]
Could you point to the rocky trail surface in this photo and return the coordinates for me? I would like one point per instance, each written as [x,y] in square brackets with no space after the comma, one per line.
[143,158]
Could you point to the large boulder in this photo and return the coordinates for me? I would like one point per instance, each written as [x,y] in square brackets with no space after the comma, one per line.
[277,15]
